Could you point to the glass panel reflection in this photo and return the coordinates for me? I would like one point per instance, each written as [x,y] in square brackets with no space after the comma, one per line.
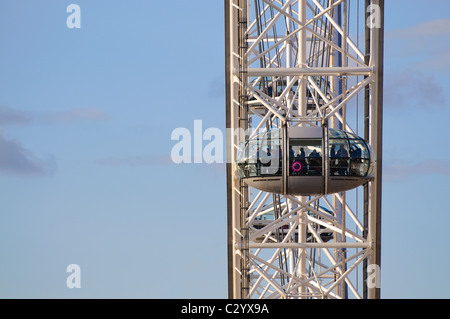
[305,157]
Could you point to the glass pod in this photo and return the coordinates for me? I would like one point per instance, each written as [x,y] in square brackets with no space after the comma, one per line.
[305,161]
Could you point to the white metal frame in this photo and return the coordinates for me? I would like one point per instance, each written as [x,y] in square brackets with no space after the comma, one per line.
[270,39]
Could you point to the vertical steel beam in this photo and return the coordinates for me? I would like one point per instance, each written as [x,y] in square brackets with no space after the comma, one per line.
[232,123]
[376,45]
[367,138]
[229,174]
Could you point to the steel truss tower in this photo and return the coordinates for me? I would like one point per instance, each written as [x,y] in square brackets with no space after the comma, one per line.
[303,63]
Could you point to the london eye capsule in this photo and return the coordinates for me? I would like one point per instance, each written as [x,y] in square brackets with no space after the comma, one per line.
[305,161]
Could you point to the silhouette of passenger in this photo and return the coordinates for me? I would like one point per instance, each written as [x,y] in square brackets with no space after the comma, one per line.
[314,154]
[343,160]
[355,152]
[342,152]
[333,160]
[302,153]
[333,151]
[258,162]
[314,163]
[301,158]
[291,152]
[356,161]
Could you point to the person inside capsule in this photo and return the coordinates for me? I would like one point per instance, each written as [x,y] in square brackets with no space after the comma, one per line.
[342,155]
[262,156]
[315,162]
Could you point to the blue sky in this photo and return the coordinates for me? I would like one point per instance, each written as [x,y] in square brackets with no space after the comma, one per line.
[86,117]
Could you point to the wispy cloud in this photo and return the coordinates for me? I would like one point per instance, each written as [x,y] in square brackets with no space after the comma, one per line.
[10,116]
[437,61]
[74,115]
[408,87]
[397,172]
[427,44]
[17,160]
[433,28]
[136,161]
[418,55]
